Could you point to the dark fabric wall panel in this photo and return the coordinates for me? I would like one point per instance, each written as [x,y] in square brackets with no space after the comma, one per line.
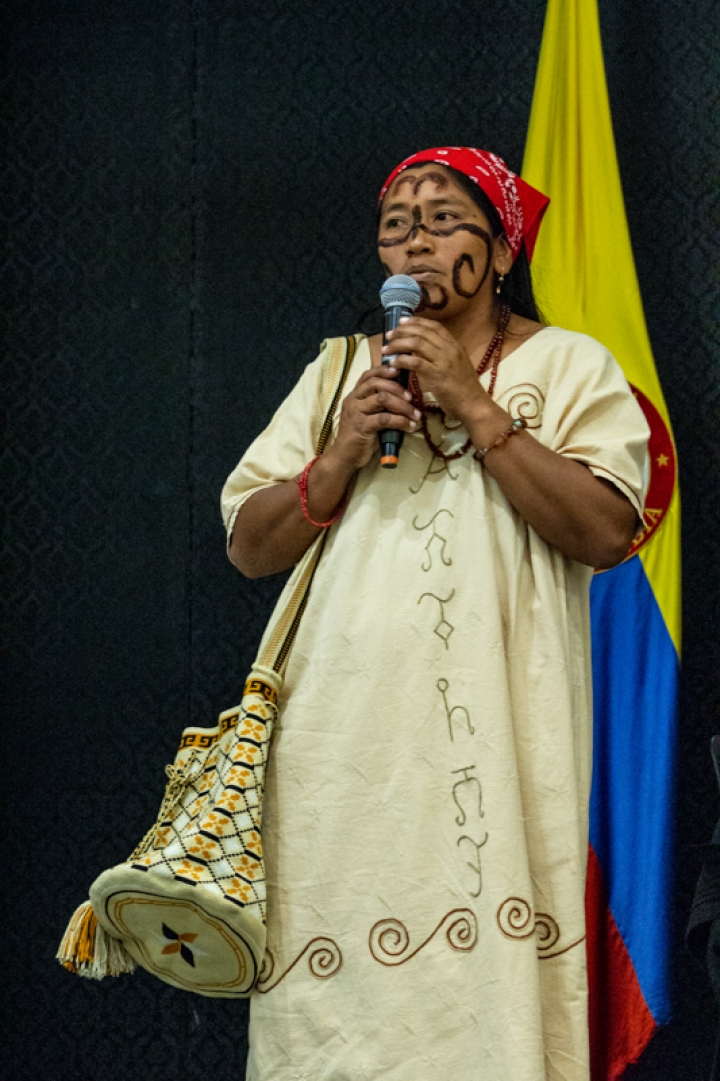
[98,283]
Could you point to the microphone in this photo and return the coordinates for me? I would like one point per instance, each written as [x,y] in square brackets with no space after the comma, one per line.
[399,296]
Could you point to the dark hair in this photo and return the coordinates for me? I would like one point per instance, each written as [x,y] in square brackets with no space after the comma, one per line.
[516,290]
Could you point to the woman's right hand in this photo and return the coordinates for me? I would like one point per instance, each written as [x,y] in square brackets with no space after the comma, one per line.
[376,403]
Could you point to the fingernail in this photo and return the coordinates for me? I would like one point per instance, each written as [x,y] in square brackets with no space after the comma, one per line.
[407,395]
[413,424]
[416,414]
[405,319]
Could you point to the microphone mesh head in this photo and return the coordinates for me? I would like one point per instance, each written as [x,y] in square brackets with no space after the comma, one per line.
[401,290]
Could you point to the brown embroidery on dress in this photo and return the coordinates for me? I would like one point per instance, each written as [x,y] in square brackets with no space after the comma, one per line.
[443,686]
[467,779]
[435,534]
[323,961]
[435,466]
[566,949]
[547,931]
[525,401]
[515,920]
[477,868]
[443,629]
[389,940]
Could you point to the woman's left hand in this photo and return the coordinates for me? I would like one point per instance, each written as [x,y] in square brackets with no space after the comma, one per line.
[441,363]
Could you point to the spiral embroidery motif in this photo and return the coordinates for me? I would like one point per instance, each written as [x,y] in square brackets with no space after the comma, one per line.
[390,941]
[547,930]
[323,961]
[526,401]
[515,918]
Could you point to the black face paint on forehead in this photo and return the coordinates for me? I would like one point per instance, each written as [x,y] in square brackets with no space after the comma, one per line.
[416,182]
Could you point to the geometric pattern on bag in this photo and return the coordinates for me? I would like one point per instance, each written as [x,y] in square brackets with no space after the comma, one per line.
[189,903]
[207,834]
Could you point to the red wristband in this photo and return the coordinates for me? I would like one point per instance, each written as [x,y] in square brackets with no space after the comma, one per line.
[302,483]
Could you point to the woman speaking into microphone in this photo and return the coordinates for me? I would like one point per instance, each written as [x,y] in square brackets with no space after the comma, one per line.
[426,810]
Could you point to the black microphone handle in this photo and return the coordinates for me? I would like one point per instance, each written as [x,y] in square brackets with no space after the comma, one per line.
[391,439]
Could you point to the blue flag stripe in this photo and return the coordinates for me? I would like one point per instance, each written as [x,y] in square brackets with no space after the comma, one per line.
[631,808]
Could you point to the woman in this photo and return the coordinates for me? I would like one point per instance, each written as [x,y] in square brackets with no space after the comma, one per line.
[426,801]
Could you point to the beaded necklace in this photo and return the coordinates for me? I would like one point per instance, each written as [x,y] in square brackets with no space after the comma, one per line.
[491,359]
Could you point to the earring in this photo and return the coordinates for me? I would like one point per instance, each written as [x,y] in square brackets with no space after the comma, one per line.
[498,287]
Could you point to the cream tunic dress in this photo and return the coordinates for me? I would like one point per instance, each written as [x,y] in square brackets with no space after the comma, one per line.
[426,811]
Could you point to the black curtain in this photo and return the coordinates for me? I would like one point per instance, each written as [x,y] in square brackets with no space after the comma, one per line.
[188,199]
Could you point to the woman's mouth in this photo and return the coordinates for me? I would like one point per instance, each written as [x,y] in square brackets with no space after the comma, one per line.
[422,273]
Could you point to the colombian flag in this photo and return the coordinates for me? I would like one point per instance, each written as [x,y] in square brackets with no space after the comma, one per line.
[585,279]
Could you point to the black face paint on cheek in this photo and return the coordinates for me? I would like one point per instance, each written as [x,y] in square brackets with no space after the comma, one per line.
[437,305]
[476,230]
[467,260]
[386,243]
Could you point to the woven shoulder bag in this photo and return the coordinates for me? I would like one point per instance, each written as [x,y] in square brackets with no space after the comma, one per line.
[189,903]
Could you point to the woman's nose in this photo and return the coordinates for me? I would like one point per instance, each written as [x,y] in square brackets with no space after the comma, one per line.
[419,240]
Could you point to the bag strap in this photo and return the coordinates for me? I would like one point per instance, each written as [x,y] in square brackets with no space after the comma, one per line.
[276,647]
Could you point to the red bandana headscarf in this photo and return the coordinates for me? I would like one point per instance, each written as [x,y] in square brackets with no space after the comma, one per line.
[520,206]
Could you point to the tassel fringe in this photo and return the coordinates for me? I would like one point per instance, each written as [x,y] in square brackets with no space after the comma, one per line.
[88,950]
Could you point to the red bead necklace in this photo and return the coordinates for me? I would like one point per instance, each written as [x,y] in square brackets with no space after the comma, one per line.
[491,360]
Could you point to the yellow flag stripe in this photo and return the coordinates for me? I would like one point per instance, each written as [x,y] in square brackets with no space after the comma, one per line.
[583,267]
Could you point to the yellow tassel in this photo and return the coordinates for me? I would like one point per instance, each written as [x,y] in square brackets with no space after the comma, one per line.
[88,950]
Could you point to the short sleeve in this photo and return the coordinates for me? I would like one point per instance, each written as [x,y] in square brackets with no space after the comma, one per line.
[283,449]
[591,416]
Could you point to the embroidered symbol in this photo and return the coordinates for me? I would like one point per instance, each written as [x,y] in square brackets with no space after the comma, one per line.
[524,400]
[433,536]
[324,961]
[177,944]
[515,919]
[390,941]
[467,779]
[443,629]
[435,466]
[443,686]
[477,868]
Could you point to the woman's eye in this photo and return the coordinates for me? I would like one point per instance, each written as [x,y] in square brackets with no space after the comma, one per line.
[393,223]
[444,215]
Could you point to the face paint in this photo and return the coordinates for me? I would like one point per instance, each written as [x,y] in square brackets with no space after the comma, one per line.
[439,179]
[438,305]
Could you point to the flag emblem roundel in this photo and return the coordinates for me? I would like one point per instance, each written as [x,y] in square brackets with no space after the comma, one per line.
[663,472]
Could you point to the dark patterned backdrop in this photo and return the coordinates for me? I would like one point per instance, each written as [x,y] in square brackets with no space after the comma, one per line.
[188,194]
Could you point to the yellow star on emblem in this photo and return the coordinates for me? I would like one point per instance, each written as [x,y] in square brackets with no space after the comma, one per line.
[662,459]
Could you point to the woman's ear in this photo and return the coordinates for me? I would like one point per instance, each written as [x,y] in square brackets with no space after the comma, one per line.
[502,255]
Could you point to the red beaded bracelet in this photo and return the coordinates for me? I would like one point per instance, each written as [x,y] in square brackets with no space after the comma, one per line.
[302,483]
[516,426]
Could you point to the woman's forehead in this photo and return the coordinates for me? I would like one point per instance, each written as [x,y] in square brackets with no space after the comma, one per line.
[426,180]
